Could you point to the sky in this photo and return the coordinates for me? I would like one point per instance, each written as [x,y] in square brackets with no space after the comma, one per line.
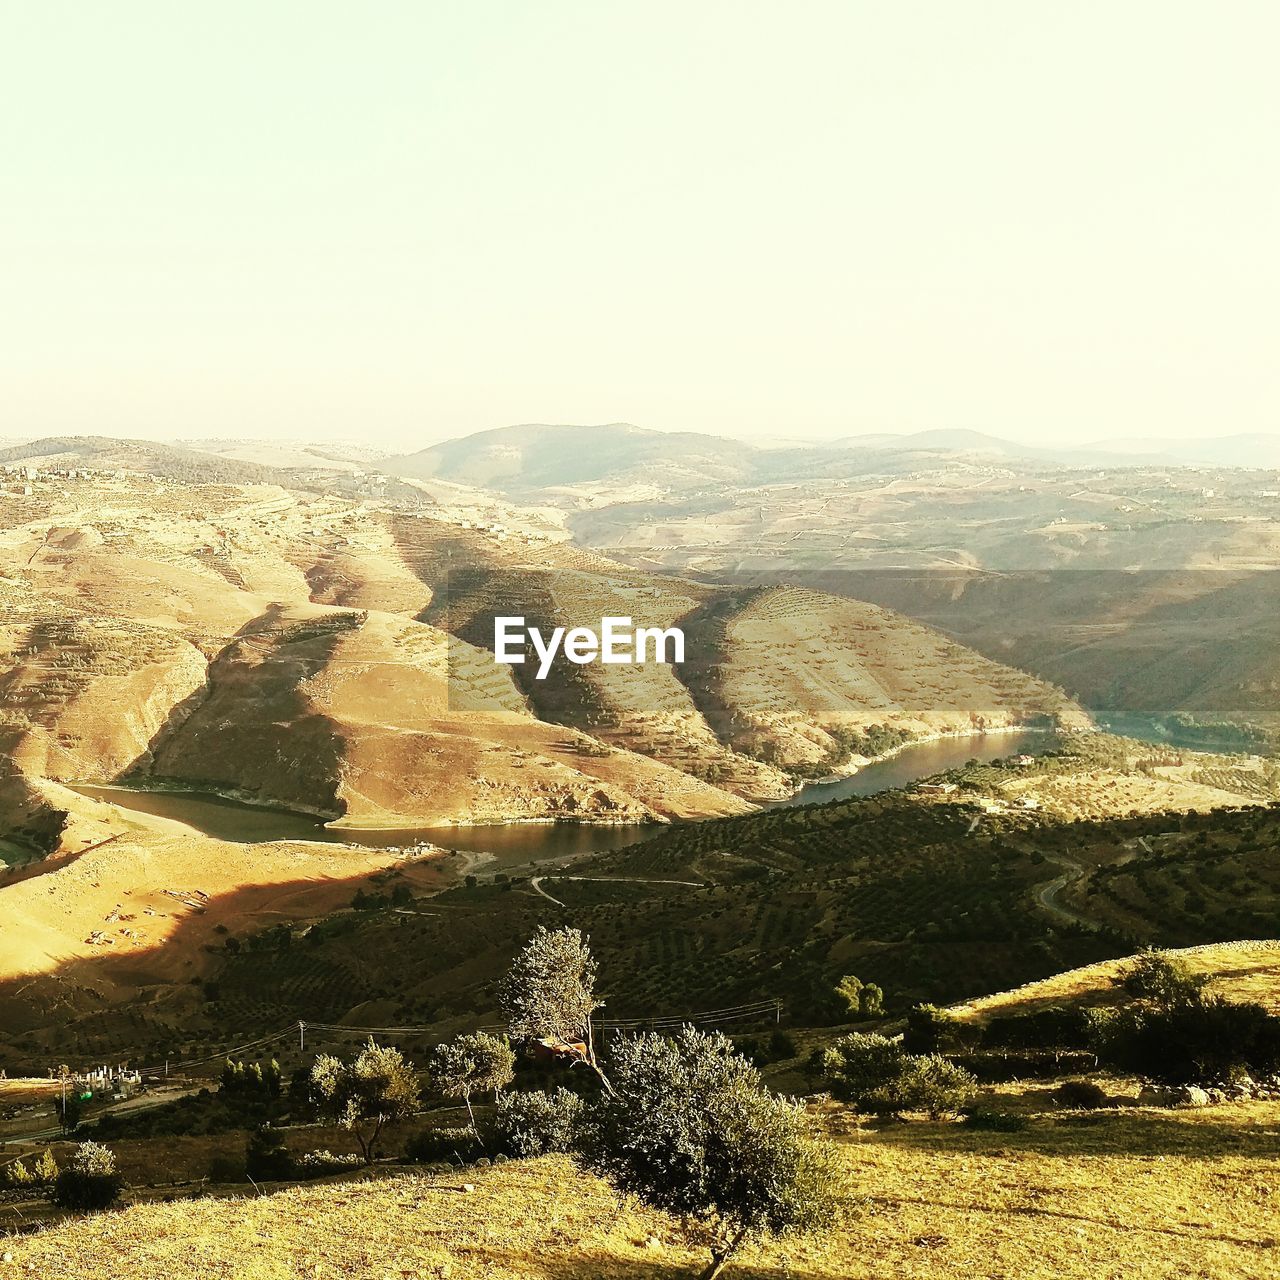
[398,222]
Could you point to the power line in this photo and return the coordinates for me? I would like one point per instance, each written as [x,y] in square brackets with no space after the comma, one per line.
[734,1013]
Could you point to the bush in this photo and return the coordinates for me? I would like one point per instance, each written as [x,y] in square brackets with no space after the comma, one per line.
[18,1175]
[878,1074]
[226,1169]
[266,1158]
[91,1181]
[1085,1095]
[439,1146]
[932,1084]
[535,1123]
[858,1065]
[319,1164]
[782,1047]
[1163,980]
[46,1169]
[933,1030]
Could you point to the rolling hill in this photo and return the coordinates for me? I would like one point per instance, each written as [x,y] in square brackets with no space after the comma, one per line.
[328,655]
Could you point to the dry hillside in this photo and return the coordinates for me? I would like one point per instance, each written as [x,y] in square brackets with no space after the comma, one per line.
[320,653]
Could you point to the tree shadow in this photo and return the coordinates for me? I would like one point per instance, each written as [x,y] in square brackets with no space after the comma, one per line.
[1137,1131]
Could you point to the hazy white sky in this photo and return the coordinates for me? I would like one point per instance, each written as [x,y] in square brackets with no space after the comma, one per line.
[402,221]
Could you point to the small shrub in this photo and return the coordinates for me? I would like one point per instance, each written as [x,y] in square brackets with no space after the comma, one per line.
[266,1158]
[782,1047]
[933,1085]
[91,1180]
[1164,981]
[438,1146]
[226,1169]
[1084,1095]
[18,1175]
[858,1065]
[535,1123]
[933,1030]
[319,1164]
[46,1170]
[878,1074]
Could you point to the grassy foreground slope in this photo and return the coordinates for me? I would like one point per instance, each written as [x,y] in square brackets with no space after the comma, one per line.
[1145,1195]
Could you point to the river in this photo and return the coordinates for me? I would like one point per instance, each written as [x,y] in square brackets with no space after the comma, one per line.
[517,843]
[511,843]
[924,759]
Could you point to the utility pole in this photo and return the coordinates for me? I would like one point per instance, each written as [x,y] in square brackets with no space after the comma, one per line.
[302,1036]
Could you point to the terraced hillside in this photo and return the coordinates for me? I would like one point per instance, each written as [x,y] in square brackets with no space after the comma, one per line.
[308,650]
[934,897]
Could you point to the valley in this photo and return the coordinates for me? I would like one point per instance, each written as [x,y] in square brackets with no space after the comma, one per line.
[266,789]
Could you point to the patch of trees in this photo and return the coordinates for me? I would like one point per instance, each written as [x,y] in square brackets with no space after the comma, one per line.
[683,1122]
[1179,1031]
[400,896]
[859,999]
[1172,1028]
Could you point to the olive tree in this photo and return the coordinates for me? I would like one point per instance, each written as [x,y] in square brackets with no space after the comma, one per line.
[692,1130]
[475,1063]
[549,993]
[1163,980]
[90,1180]
[377,1088]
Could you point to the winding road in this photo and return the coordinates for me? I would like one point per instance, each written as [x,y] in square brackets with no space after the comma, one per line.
[536,883]
[1047,893]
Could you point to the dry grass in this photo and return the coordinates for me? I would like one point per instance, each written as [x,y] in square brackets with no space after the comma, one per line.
[1244,971]
[1137,1193]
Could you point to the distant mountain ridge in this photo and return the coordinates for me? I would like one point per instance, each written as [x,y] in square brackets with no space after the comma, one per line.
[544,456]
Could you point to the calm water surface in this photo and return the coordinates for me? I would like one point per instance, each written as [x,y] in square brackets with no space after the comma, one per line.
[515,843]
[924,759]
[510,842]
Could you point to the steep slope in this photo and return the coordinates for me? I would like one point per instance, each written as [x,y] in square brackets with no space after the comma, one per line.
[800,677]
[336,657]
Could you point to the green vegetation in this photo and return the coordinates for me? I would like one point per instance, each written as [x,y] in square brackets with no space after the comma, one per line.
[691,1130]
[536,1124]
[860,999]
[378,1087]
[90,1181]
[878,1075]
[470,1064]
[549,993]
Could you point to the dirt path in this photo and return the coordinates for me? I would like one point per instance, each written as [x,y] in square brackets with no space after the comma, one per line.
[536,883]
